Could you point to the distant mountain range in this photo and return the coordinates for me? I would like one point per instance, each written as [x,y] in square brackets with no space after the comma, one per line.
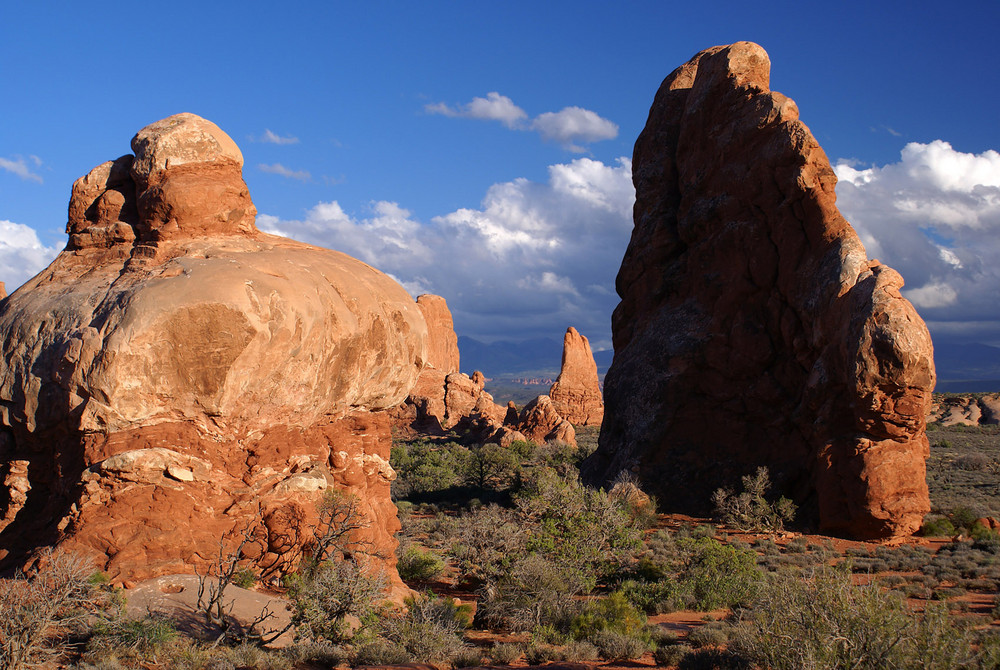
[961,366]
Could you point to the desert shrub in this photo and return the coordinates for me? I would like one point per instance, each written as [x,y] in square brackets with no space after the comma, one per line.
[828,622]
[245,578]
[714,634]
[656,597]
[316,652]
[671,655]
[429,631]
[717,575]
[750,509]
[33,610]
[617,646]
[973,462]
[533,592]
[332,596]
[582,530]
[467,658]
[542,652]
[641,507]
[380,652]
[488,541]
[524,450]
[419,565]
[505,653]
[577,651]
[613,612]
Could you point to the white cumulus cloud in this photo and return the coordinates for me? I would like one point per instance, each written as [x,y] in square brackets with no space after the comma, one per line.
[569,127]
[494,107]
[532,259]
[22,254]
[935,217]
[20,167]
[572,125]
[270,137]
[279,169]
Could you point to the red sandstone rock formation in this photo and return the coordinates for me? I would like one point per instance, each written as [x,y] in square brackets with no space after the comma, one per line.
[753,329]
[442,401]
[442,346]
[540,422]
[576,395]
[3,291]
[175,374]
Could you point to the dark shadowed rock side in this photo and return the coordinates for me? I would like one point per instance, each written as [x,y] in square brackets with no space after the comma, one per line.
[175,374]
[753,329]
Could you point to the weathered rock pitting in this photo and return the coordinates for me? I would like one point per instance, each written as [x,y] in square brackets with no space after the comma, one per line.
[175,373]
[753,329]
[576,394]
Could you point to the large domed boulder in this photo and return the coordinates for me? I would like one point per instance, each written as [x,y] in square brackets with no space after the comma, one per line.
[176,374]
[753,329]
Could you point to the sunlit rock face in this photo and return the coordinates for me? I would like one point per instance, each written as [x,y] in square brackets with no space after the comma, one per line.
[175,373]
[576,394]
[753,329]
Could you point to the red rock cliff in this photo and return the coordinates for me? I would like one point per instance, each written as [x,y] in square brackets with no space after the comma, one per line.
[753,329]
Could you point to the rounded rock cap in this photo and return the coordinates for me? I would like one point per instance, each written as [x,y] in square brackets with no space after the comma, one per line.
[178,140]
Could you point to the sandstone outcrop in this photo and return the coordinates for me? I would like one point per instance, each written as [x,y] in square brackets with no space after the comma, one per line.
[444,399]
[540,422]
[175,374]
[3,291]
[753,329]
[576,395]
[442,347]
[966,410]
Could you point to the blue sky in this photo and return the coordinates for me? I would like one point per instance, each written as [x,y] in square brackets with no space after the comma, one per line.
[361,131]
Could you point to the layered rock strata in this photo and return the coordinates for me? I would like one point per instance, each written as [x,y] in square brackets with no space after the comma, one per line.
[753,329]
[576,394]
[175,375]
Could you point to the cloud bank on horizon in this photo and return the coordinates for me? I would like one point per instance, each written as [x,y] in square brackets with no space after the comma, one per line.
[536,257]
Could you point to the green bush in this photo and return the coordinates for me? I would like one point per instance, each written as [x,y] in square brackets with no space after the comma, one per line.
[419,565]
[613,612]
[718,575]
[940,527]
[714,634]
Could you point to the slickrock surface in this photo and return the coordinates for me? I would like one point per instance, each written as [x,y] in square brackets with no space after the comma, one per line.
[576,395]
[753,329]
[175,374]
[967,410]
